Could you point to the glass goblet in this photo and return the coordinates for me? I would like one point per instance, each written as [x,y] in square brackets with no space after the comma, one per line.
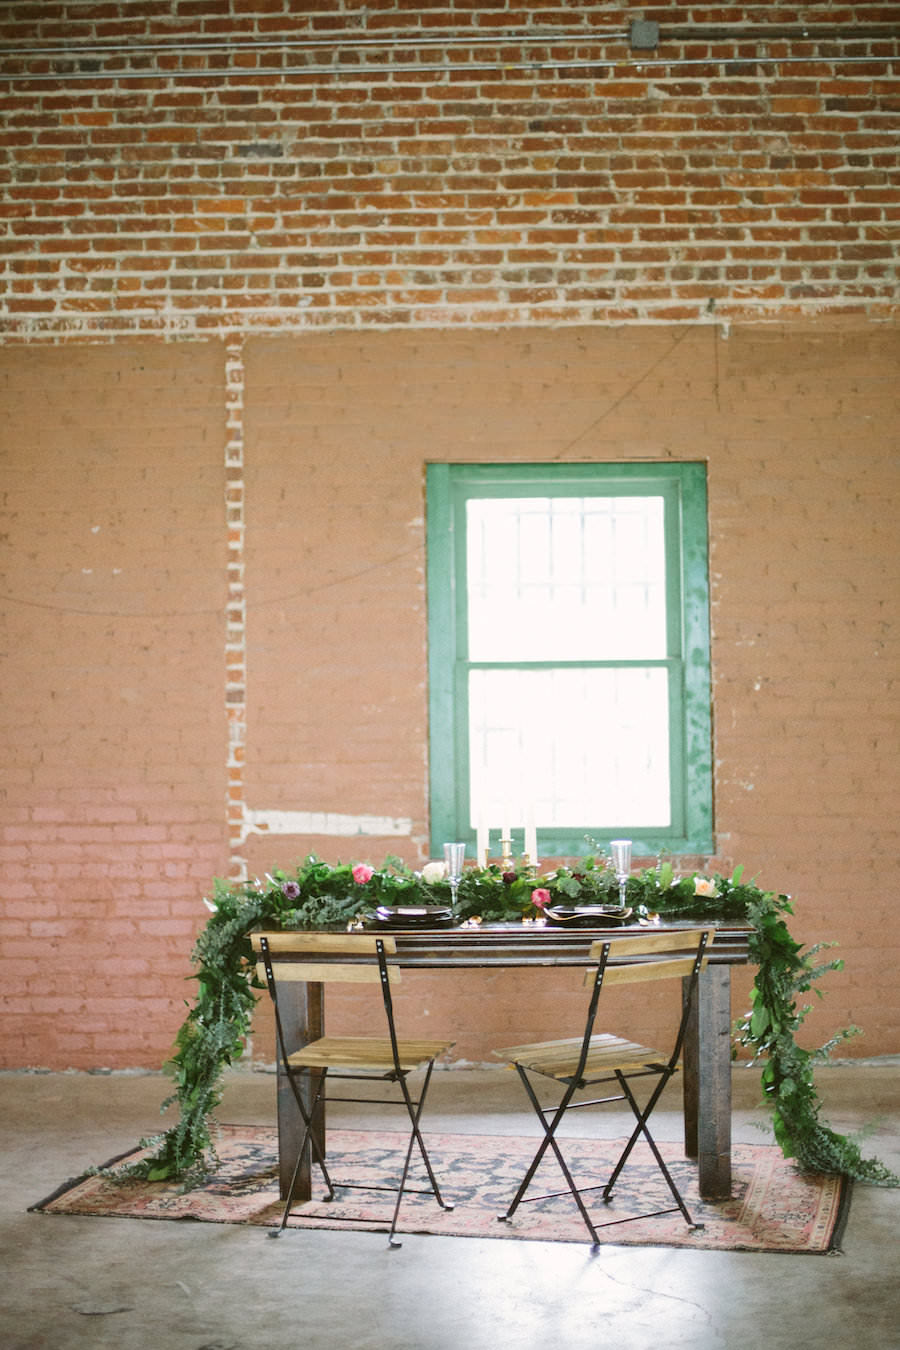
[621,859]
[454,857]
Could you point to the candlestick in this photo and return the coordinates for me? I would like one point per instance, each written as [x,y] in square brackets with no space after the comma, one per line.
[531,836]
[482,842]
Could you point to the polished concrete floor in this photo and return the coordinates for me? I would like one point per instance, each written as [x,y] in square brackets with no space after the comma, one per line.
[72,1283]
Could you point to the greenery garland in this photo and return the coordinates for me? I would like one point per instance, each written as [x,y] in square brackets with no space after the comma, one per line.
[322,896]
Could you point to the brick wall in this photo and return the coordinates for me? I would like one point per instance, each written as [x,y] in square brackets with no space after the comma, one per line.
[182,168]
[113,782]
[246,290]
[799,432]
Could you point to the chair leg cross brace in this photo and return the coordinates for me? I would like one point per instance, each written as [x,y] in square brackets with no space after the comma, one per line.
[414,1111]
[641,1129]
[415,1137]
[549,1141]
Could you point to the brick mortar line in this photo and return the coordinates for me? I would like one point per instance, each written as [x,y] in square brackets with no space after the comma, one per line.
[204,325]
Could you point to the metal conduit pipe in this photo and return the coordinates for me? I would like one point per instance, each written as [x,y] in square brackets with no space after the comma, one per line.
[735,33]
[338,43]
[644,53]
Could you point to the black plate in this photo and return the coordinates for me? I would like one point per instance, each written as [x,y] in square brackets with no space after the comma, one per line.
[587,916]
[411,916]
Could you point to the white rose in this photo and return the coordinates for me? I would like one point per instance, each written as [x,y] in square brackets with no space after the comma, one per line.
[433,872]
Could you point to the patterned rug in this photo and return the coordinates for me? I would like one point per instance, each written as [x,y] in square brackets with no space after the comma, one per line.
[773,1208]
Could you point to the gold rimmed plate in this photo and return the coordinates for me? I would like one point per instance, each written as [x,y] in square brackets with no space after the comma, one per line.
[411,916]
[587,916]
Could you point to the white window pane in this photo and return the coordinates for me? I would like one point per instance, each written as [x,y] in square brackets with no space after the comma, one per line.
[581,748]
[583,577]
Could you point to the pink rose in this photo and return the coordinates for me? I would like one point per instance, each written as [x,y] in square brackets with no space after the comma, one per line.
[540,897]
[362,873]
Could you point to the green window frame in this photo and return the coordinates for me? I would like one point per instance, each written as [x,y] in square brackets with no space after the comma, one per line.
[685,663]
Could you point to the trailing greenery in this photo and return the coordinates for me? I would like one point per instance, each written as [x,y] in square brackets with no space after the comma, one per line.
[783,972]
[321,896]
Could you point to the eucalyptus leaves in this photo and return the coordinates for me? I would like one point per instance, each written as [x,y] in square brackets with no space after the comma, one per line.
[320,895]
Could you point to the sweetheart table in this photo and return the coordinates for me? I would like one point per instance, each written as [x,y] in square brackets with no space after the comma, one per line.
[707,1049]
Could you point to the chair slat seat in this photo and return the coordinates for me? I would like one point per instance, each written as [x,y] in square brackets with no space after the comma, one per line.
[366,1052]
[560,1059]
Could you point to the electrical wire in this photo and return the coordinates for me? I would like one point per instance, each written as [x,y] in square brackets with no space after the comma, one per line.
[736,33]
[638,59]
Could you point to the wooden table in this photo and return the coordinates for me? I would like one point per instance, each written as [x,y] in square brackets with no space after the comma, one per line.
[707,1049]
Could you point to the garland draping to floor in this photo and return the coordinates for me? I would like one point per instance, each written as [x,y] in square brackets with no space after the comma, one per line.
[773,1208]
[319,895]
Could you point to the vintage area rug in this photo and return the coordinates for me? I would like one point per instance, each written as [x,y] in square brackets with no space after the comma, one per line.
[772,1209]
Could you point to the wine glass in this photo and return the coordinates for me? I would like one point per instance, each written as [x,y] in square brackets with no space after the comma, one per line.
[621,857]
[454,857]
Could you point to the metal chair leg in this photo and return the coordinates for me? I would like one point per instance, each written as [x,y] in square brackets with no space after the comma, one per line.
[415,1137]
[549,1140]
[415,1115]
[309,1137]
[642,1117]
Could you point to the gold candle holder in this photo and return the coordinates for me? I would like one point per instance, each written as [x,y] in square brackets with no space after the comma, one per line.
[528,867]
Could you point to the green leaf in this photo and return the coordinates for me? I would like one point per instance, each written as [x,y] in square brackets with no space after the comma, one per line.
[570,887]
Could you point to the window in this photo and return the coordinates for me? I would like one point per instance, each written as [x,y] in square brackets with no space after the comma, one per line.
[569,655]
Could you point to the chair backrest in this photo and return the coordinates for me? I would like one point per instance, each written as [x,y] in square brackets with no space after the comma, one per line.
[648,956]
[651,956]
[316,957]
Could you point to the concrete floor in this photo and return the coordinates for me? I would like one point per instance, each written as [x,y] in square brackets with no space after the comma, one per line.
[72,1283]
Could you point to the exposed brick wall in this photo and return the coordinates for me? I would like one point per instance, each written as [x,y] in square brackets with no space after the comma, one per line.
[246,295]
[475,164]
[113,776]
[799,431]
[125,790]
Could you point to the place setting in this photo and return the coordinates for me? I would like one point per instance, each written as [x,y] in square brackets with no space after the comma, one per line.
[427,916]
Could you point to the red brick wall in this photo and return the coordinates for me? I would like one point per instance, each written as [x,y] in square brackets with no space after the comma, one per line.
[241,309]
[114,745]
[443,164]
[799,431]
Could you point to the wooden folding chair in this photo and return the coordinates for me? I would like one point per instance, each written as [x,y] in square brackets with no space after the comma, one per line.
[592,1058]
[356,959]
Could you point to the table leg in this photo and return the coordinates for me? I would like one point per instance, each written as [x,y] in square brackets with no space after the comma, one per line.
[707,1082]
[302,1018]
